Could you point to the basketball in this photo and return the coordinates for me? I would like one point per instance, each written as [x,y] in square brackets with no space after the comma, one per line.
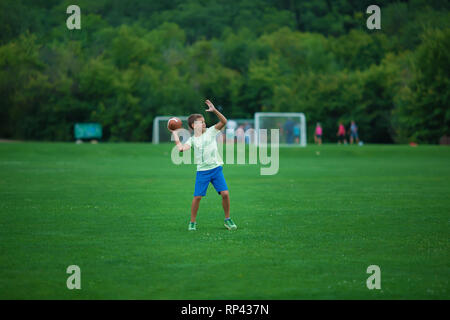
[174,123]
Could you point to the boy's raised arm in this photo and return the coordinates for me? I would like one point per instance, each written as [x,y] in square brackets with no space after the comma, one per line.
[222,120]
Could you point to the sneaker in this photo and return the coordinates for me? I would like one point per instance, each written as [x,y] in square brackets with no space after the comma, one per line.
[192,226]
[229,224]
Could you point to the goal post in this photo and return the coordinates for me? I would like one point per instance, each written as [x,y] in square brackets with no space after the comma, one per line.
[292,126]
[160,131]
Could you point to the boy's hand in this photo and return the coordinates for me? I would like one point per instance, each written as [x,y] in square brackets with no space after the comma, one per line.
[222,119]
[181,147]
[175,134]
[210,105]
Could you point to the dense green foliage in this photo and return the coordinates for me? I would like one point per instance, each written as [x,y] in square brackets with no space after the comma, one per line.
[133,60]
[120,212]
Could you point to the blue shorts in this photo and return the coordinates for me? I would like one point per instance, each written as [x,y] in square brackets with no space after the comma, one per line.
[215,176]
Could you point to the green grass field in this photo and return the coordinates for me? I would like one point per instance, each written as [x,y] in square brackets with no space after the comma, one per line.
[120,212]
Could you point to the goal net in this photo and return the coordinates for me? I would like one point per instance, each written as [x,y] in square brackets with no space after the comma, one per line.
[291,126]
[160,132]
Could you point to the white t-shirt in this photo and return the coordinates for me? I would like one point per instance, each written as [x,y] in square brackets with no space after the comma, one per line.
[206,154]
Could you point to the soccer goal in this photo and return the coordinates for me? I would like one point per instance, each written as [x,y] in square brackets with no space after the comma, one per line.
[291,126]
[160,132]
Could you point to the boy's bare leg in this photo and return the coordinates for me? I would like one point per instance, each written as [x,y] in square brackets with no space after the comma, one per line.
[226,203]
[194,207]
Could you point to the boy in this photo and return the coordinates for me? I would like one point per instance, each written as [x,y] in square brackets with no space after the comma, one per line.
[209,163]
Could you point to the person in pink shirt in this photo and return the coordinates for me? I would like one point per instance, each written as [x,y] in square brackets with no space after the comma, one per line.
[341,134]
[318,134]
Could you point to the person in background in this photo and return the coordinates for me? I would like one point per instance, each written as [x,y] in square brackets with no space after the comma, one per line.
[240,134]
[341,134]
[229,132]
[247,126]
[354,132]
[318,134]
[297,133]
[289,130]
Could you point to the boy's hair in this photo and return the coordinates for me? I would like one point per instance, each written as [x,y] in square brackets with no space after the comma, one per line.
[192,119]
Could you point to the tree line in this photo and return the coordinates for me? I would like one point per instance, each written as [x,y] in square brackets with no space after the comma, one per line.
[134,60]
